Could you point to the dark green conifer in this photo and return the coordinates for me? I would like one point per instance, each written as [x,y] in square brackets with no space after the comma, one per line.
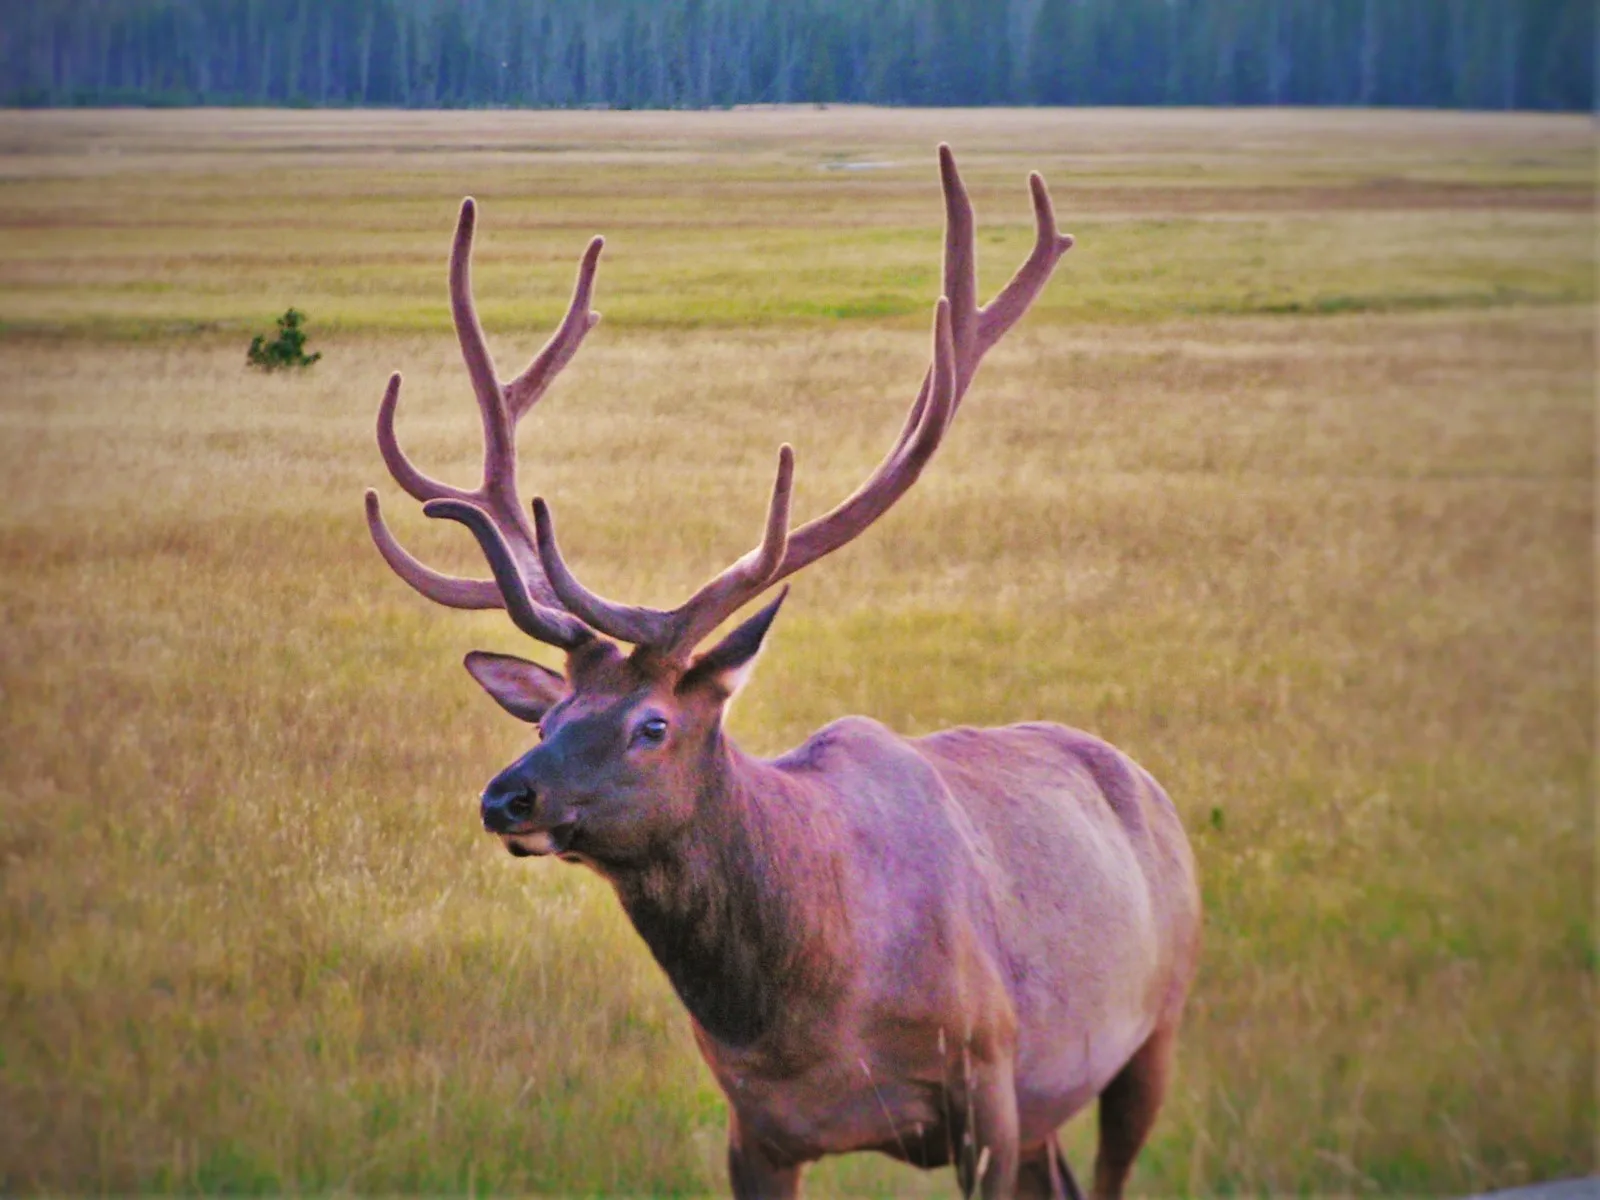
[288,349]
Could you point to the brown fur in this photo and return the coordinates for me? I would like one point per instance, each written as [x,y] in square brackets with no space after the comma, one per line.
[940,949]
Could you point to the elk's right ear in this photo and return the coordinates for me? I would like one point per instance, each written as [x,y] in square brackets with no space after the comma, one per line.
[726,666]
[524,689]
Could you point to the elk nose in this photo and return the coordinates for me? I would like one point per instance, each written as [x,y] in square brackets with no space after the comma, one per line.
[507,804]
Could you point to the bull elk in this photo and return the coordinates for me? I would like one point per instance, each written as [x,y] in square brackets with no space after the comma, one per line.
[940,948]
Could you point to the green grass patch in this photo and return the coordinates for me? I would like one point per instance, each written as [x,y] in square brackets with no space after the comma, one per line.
[1291,499]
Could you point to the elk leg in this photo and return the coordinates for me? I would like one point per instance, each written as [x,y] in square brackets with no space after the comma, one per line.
[1128,1109]
[1043,1174]
[752,1172]
[987,1163]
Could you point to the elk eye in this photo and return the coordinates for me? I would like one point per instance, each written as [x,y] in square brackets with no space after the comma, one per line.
[653,732]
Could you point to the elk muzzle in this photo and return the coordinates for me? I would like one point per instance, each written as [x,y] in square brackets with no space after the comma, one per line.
[509,804]
[521,814]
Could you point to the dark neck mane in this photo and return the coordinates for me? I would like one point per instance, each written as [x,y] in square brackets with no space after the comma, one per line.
[744,909]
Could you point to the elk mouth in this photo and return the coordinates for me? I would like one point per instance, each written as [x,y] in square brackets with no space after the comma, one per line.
[539,843]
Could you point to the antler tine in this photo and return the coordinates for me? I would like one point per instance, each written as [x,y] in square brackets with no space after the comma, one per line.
[417,485]
[625,621]
[499,451]
[960,257]
[960,288]
[534,619]
[448,590]
[1006,309]
[673,633]
[747,578]
[523,392]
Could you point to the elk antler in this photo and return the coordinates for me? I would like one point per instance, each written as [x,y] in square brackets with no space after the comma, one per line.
[491,511]
[963,334]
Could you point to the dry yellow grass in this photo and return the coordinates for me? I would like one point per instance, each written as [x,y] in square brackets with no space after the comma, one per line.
[1328,576]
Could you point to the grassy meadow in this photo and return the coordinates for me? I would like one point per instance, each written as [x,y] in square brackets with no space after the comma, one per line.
[1286,486]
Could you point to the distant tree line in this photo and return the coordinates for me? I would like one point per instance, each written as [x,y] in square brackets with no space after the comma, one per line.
[702,53]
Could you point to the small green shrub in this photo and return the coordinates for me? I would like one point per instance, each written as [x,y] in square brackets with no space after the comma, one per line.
[287,350]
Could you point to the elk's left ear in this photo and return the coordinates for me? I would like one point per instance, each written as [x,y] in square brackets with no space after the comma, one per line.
[726,666]
[524,689]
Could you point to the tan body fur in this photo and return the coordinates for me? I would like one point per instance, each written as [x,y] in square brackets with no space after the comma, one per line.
[1016,900]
